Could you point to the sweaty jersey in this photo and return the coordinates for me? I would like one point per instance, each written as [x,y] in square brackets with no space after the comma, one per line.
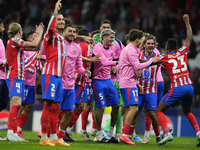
[175,63]
[86,52]
[148,77]
[102,68]
[55,49]
[15,58]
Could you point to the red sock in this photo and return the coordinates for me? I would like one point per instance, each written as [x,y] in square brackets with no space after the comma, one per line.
[163,122]
[132,128]
[60,134]
[15,125]
[94,125]
[54,118]
[13,115]
[84,117]
[157,131]
[22,120]
[126,129]
[45,117]
[193,121]
[60,115]
[74,117]
[147,121]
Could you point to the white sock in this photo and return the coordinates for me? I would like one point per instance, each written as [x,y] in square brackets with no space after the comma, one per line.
[53,137]
[44,136]
[69,130]
[99,135]
[147,133]
[110,132]
[10,132]
[19,129]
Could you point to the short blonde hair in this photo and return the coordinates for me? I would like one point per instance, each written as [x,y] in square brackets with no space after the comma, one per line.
[13,28]
[106,32]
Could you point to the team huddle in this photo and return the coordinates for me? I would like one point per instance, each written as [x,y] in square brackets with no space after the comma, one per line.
[82,71]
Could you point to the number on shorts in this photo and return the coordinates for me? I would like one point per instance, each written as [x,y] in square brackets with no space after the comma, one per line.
[18,85]
[135,93]
[53,87]
[89,91]
[101,96]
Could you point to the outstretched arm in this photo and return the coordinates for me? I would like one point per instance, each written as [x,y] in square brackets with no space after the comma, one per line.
[189,37]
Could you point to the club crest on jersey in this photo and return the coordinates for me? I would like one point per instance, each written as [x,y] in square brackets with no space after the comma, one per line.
[18,91]
[111,54]
[146,73]
[135,99]
[52,94]
[74,52]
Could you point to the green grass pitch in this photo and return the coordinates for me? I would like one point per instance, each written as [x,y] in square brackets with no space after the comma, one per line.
[182,143]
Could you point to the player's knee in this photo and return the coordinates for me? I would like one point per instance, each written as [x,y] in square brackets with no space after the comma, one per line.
[28,107]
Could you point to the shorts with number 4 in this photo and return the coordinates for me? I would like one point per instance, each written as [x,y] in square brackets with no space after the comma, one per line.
[105,93]
[130,96]
[51,88]
[15,87]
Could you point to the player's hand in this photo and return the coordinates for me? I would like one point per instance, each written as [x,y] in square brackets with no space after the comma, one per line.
[95,58]
[140,88]
[38,56]
[113,69]
[138,73]
[155,59]
[88,39]
[39,29]
[87,73]
[185,18]
[58,6]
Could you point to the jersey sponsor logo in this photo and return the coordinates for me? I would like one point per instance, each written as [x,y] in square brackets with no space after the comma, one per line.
[146,73]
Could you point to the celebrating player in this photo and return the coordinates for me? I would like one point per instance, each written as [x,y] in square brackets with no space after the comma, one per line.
[175,63]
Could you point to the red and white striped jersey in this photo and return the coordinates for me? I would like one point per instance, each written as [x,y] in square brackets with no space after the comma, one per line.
[175,63]
[55,50]
[15,58]
[149,74]
[86,52]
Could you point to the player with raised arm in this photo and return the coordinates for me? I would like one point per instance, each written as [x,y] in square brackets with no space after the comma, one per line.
[51,77]
[128,65]
[175,63]
[3,86]
[15,76]
[30,79]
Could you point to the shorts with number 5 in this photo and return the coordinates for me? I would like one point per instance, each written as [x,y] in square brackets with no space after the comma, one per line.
[130,96]
[51,88]
[105,93]
[15,87]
